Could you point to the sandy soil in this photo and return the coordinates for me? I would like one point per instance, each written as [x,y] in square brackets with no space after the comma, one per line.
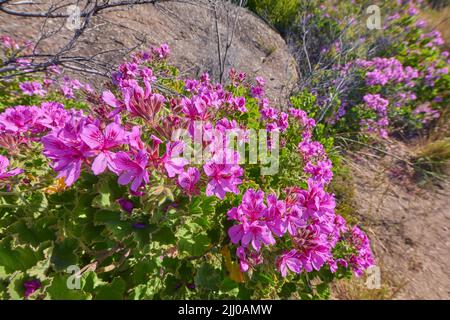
[409,225]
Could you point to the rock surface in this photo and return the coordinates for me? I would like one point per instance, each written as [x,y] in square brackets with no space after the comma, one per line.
[189,29]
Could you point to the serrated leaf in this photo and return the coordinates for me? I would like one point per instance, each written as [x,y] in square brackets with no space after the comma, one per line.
[207,277]
[90,281]
[164,236]
[58,290]
[112,291]
[16,290]
[111,220]
[18,258]
[40,269]
[195,246]
[64,255]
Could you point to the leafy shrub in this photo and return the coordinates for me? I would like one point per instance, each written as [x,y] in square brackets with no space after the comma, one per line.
[394,80]
[279,13]
[107,186]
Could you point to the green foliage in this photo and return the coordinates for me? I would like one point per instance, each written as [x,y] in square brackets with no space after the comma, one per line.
[79,243]
[279,13]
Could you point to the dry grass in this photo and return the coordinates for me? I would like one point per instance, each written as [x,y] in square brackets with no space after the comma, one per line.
[432,159]
[356,289]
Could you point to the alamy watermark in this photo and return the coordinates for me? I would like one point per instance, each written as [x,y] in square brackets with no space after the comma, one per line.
[74,280]
[73,22]
[374,19]
[203,143]
[373,280]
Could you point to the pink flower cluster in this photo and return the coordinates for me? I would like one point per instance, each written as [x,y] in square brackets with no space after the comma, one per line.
[385,70]
[378,104]
[363,257]
[432,73]
[32,88]
[317,165]
[434,39]
[72,140]
[306,218]
[69,86]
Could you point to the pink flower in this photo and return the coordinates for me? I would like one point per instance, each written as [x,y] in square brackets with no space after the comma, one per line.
[315,201]
[421,23]
[314,246]
[9,42]
[132,170]
[174,165]
[163,51]
[32,88]
[188,180]
[257,91]
[126,205]
[252,206]
[276,215]
[363,259]
[310,149]
[239,104]
[248,259]
[289,261]
[412,11]
[52,115]
[110,99]
[321,172]
[19,119]
[31,286]
[4,174]
[223,177]
[252,228]
[143,103]
[260,81]
[102,142]
[269,113]
[256,233]
[243,262]
[134,139]
[67,150]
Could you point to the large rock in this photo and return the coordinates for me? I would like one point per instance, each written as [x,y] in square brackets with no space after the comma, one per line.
[189,29]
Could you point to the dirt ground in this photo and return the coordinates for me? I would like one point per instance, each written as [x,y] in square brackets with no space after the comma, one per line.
[409,225]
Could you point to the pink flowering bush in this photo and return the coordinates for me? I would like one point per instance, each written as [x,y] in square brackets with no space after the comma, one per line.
[375,82]
[151,188]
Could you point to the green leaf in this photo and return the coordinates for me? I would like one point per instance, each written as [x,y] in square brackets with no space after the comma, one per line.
[64,254]
[287,290]
[16,290]
[17,258]
[147,290]
[90,281]
[207,277]
[195,246]
[229,287]
[112,291]
[164,236]
[58,290]
[111,220]
[323,290]
[40,269]
[143,269]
